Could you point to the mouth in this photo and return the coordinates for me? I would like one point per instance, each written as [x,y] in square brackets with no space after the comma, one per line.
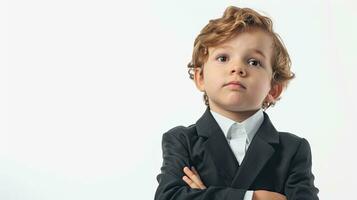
[235,84]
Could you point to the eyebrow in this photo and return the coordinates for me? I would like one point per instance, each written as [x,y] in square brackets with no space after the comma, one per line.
[221,47]
[250,50]
[259,52]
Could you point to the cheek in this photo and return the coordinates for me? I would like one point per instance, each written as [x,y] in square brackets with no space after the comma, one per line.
[263,86]
[212,78]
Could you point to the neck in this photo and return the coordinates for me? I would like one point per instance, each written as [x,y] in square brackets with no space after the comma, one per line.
[238,116]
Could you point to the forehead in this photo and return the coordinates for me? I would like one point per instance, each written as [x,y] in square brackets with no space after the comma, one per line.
[254,40]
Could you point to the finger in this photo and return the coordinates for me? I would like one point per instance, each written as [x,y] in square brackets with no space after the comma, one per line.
[202,186]
[188,172]
[196,179]
[195,171]
[190,182]
[282,197]
[279,196]
[264,194]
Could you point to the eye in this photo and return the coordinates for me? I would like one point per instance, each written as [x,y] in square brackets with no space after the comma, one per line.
[254,62]
[222,58]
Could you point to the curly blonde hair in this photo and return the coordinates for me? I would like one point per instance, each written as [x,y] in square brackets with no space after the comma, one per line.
[234,21]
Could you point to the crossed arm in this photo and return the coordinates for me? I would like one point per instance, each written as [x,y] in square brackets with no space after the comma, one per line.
[192,178]
[179,182]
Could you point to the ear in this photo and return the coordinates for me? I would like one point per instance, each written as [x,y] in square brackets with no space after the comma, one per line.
[274,93]
[198,78]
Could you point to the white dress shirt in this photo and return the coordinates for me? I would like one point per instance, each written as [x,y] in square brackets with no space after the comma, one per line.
[239,135]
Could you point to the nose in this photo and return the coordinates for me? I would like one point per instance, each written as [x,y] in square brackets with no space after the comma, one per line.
[239,69]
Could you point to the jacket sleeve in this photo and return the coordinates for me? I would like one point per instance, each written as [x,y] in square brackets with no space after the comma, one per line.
[300,181]
[172,187]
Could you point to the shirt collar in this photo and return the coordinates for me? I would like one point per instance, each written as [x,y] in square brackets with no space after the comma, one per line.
[251,125]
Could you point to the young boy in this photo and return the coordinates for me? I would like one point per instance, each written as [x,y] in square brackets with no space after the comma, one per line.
[233,152]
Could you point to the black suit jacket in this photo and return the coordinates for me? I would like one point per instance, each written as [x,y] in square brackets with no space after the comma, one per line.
[275,161]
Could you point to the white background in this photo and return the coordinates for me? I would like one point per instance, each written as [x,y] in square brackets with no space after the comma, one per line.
[87,88]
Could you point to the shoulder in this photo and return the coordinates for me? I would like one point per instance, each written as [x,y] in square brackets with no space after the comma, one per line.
[181,133]
[179,139]
[292,141]
[179,130]
[289,137]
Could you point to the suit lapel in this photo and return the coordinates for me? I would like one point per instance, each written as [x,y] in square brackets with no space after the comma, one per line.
[259,152]
[217,146]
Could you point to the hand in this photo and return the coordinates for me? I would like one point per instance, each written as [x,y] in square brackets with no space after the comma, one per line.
[267,195]
[193,179]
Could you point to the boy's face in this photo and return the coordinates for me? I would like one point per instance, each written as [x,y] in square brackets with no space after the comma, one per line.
[237,74]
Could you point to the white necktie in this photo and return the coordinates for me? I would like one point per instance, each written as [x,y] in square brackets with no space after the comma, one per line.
[237,138]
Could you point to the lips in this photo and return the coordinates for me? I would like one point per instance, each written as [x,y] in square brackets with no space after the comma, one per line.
[235,83]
